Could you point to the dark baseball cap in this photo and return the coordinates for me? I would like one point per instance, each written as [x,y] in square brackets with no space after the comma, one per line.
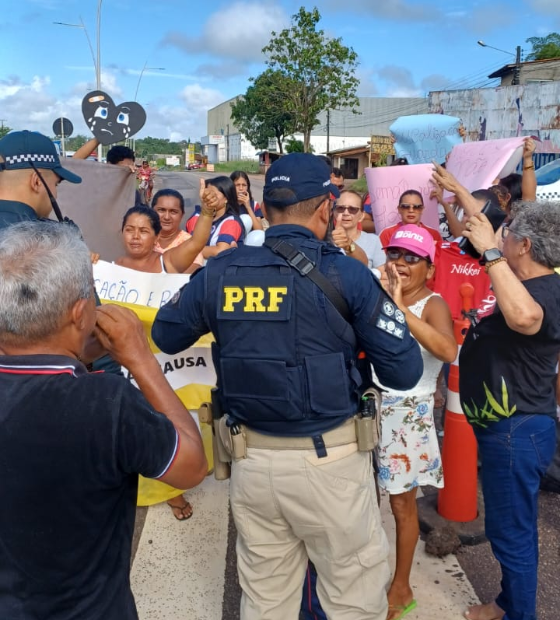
[304,175]
[20,149]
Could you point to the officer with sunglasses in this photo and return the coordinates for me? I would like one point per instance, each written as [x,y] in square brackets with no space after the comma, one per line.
[30,172]
[410,210]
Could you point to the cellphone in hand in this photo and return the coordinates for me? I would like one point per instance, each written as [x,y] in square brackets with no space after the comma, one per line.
[496,217]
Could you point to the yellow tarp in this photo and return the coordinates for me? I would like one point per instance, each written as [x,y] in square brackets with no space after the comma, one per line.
[192,395]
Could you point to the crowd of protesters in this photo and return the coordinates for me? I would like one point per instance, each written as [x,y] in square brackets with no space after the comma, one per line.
[508,363]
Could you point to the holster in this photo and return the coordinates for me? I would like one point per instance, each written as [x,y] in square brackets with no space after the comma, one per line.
[368,429]
[211,414]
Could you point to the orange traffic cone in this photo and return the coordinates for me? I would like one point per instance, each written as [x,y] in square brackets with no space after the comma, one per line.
[457,501]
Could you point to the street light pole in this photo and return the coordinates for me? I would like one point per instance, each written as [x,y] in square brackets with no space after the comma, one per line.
[144,68]
[98,67]
[517,68]
[96,59]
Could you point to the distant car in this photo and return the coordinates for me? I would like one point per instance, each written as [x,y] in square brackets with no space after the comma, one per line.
[194,165]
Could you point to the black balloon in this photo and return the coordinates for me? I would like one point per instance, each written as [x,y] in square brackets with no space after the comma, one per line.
[111,123]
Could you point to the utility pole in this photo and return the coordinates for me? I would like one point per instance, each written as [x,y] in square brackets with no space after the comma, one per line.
[227,142]
[328,129]
[517,68]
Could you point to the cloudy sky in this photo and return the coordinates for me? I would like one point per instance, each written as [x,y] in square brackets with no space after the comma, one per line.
[209,50]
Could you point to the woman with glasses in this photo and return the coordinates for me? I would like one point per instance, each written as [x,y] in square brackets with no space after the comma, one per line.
[408,452]
[507,389]
[410,208]
[348,213]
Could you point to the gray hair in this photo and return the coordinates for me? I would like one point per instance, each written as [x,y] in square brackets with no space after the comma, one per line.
[45,268]
[540,223]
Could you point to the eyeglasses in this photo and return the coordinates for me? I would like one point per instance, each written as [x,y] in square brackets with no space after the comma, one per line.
[343,208]
[505,229]
[411,206]
[411,259]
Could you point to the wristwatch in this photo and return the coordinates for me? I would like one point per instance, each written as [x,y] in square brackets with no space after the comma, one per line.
[351,248]
[490,255]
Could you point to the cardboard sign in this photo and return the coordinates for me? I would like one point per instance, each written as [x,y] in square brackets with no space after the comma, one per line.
[476,164]
[116,283]
[385,186]
[98,203]
[108,122]
[424,138]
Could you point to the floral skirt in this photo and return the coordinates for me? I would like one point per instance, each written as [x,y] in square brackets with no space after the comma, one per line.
[408,452]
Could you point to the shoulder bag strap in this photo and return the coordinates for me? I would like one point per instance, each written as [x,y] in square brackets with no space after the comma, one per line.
[305,267]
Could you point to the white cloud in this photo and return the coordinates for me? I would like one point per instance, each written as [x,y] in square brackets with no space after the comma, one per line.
[367,87]
[186,119]
[239,32]
[399,82]
[32,105]
[548,7]
[397,10]
[488,18]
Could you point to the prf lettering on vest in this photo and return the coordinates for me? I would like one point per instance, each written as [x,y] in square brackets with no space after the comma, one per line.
[254,298]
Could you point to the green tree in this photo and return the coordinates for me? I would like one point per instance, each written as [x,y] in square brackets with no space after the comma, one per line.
[320,70]
[4,130]
[294,146]
[261,113]
[148,147]
[544,47]
[75,142]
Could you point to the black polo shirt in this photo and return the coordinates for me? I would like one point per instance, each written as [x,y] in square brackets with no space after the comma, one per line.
[503,372]
[12,212]
[71,447]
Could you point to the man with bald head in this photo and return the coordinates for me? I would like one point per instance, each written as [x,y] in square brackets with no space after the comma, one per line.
[29,169]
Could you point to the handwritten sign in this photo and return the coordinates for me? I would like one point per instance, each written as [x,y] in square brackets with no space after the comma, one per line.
[116,283]
[385,186]
[476,164]
[383,145]
[424,138]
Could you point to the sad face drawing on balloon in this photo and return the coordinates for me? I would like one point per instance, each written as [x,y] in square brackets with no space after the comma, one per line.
[110,123]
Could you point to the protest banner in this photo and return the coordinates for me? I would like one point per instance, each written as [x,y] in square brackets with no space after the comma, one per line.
[116,283]
[385,186]
[424,138]
[476,164]
[190,373]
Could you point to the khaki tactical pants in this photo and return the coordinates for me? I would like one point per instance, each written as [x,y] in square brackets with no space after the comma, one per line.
[288,506]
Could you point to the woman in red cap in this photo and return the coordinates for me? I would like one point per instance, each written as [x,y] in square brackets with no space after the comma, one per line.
[408,451]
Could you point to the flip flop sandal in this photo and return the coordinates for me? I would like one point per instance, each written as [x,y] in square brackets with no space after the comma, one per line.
[184,517]
[404,609]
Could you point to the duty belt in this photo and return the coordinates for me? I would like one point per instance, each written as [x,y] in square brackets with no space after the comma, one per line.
[339,436]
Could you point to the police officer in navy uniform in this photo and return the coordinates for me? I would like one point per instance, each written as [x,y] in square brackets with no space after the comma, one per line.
[286,362]
[30,172]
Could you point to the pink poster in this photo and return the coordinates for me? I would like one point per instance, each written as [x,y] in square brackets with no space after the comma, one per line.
[385,186]
[476,164]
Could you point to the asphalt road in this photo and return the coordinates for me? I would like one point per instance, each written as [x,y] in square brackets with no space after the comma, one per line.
[188,184]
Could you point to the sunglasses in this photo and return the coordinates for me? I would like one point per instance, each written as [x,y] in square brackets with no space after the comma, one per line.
[411,259]
[343,208]
[408,207]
